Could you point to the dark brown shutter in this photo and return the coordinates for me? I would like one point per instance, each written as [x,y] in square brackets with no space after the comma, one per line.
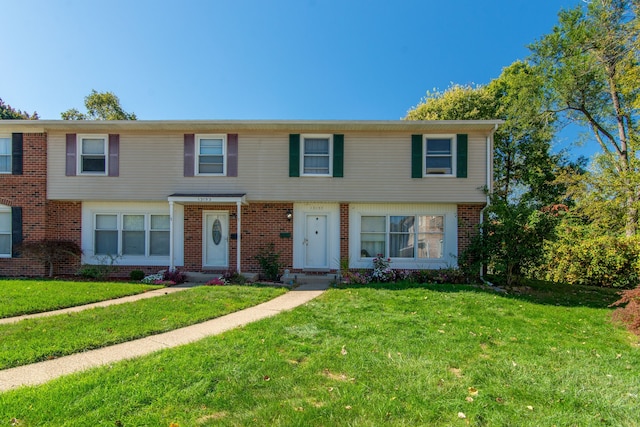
[71,154]
[114,155]
[232,154]
[189,154]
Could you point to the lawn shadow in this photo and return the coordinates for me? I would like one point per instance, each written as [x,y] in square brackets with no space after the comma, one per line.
[534,291]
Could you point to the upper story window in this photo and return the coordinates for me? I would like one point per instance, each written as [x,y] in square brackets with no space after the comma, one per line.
[211,154]
[317,155]
[5,154]
[93,154]
[440,155]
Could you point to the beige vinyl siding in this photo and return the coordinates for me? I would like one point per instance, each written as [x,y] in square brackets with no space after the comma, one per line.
[377,167]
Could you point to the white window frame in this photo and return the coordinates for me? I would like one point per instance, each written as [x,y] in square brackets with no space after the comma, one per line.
[10,155]
[79,156]
[388,233]
[303,137]
[120,230]
[200,137]
[7,210]
[454,143]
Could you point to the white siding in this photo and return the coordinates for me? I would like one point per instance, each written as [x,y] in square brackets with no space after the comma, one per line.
[377,167]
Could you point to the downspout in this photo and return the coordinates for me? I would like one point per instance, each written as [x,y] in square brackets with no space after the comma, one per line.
[172,264]
[239,235]
[489,185]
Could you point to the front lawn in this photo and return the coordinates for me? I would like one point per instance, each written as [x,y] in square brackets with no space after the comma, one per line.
[33,340]
[431,355]
[26,296]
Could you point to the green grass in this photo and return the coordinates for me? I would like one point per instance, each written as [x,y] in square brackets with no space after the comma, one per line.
[26,296]
[370,357]
[33,340]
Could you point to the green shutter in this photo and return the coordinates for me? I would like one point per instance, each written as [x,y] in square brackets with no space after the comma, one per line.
[294,154]
[338,156]
[417,160]
[461,155]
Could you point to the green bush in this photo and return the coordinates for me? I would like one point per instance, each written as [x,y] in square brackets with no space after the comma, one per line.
[136,275]
[583,259]
[269,262]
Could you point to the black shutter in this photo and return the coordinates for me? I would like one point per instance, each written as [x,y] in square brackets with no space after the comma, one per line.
[338,156]
[462,155]
[16,229]
[417,158]
[294,154]
[16,153]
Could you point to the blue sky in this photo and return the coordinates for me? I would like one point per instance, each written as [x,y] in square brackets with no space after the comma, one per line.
[277,59]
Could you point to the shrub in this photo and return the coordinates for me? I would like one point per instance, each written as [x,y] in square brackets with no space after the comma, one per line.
[175,276]
[50,252]
[232,276]
[584,259]
[136,275]
[105,266]
[629,314]
[269,262]
[382,271]
[217,281]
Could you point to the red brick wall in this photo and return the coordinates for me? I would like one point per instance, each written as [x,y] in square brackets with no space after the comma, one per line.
[468,221]
[64,222]
[262,223]
[28,191]
[344,231]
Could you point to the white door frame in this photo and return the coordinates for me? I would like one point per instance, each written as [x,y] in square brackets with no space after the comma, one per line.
[206,235]
[300,213]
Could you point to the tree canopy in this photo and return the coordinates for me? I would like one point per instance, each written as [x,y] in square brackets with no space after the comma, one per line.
[9,113]
[100,106]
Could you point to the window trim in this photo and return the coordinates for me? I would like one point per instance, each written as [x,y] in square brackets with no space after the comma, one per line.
[7,210]
[120,214]
[453,155]
[225,154]
[303,137]
[105,142]
[10,155]
[388,233]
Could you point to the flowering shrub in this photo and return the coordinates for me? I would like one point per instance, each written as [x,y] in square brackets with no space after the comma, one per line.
[174,276]
[152,278]
[355,278]
[382,271]
[217,281]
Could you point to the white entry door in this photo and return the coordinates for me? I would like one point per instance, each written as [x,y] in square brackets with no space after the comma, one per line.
[316,247]
[215,239]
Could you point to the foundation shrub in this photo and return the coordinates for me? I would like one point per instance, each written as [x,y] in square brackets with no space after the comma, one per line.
[136,275]
[269,261]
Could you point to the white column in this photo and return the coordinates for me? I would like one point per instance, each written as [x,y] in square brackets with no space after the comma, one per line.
[239,234]
[172,264]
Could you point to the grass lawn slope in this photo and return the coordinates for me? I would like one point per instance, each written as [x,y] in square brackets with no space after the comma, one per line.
[26,296]
[433,355]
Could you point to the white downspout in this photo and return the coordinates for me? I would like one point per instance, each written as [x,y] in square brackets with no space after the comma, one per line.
[172,264]
[239,235]
[489,181]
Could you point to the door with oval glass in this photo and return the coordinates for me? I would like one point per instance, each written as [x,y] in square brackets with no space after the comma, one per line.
[316,247]
[215,239]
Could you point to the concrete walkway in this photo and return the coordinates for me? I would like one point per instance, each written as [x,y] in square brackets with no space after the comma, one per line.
[39,373]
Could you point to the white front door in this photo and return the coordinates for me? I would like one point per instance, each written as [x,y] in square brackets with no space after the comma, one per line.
[316,247]
[215,239]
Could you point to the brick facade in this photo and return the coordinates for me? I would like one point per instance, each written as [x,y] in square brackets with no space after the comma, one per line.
[468,221]
[29,192]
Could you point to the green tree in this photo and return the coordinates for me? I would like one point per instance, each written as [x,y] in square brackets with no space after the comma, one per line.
[589,68]
[9,113]
[524,168]
[100,106]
